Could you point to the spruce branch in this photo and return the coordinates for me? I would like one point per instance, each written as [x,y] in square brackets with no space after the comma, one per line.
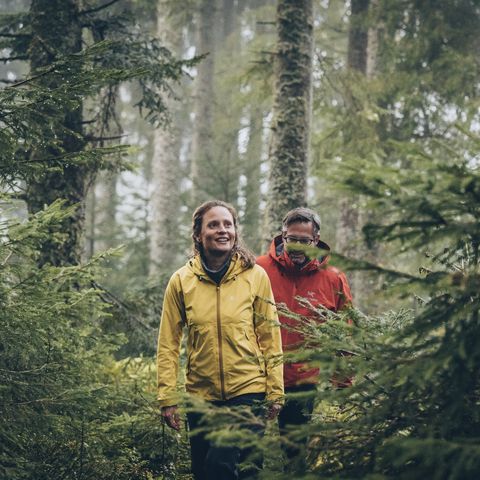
[97,9]
[15,35]
[92,138]
[31,79]
[12,59]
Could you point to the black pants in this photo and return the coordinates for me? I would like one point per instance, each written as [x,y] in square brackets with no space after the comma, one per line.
[296,411]
[211,462]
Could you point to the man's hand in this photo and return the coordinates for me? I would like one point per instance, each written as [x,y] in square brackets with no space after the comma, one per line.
[171,416]
[273,410]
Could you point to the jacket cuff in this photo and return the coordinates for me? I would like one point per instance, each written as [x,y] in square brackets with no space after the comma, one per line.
[168,401]
[276,398]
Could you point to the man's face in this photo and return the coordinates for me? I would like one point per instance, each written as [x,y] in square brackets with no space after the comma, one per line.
[299,233]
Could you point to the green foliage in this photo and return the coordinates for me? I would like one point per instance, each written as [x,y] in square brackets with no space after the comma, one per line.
[69,410]
[31,112]
[412,411]
[405,141]
[136,313]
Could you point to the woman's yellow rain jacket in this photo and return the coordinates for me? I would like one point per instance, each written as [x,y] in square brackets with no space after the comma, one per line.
[233,345]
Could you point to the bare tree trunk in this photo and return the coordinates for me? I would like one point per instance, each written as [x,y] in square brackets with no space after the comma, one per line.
[165,199]
[370,283]
[202,165]
[348,226]
[358,36]
[251,219]
[69,183]
[228,17]
[90,220]
[106,203]
[373,44]
[289,150]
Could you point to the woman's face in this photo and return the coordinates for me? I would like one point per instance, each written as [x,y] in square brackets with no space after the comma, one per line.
[217,235]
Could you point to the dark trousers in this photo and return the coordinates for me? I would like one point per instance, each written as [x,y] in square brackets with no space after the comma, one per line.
[296,412]
[212,462]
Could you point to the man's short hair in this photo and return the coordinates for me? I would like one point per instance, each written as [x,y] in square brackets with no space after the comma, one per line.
[302,214]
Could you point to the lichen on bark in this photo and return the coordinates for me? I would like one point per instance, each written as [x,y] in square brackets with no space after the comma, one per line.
[289,148]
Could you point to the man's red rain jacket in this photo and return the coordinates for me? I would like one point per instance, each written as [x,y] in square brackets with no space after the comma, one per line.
[319,283]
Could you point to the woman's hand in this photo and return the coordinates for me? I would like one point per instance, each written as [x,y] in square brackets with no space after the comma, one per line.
[171,416]
[273,410]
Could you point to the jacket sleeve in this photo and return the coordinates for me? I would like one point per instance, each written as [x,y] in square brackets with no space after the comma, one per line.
[267,329]
[344,296]
[169,340]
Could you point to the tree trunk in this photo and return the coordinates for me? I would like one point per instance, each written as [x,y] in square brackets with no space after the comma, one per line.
[289,150]
[358,36]
[56,31]
[348,226]
[166,170]
[106,203]
[373,43]
[165,200]
[228,17]
[251,219]
[371,282]
[202,165]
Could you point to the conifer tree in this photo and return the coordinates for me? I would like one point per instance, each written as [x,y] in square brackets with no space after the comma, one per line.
[48,44]
[63,73]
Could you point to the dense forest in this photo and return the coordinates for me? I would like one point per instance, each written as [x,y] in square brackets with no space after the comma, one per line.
[118,117]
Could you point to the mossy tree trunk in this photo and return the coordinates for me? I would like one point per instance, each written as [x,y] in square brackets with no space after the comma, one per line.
[56,31]
[289,149]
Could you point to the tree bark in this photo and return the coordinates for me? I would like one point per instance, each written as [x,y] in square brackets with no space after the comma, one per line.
[106,204]
[202,165]
[289,149]
[358,36]
[228,17]
[373,44]
[251,219]
[56,31]
[348,226]
[166,169]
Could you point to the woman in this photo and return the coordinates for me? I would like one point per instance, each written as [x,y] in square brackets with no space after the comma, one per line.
[233,345]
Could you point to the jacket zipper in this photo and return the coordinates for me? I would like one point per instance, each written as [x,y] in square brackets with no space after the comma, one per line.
[220,351]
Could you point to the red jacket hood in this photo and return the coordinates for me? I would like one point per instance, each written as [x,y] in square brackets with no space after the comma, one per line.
[279,255]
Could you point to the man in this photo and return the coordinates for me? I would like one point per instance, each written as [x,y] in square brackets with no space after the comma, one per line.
[293,274]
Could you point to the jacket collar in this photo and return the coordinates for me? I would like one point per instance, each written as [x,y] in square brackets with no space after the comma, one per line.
[280,256]
[235,268]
